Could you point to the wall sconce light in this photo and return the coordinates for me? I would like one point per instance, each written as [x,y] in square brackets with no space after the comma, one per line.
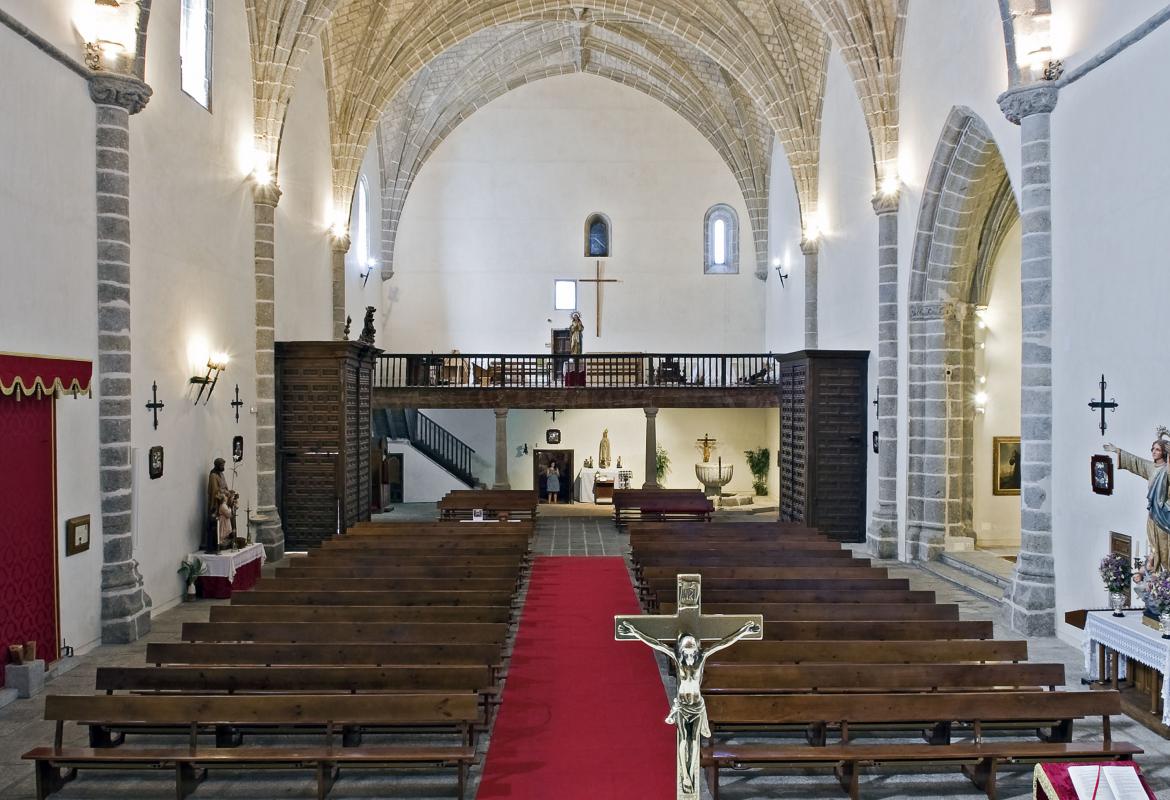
[521,450]
[891,184]
[781,270]
[980,402]
[216,364]
[365,274]
[981,317]
[107,44]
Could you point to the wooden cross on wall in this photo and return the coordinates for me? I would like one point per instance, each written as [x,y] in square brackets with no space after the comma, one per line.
[237,403]
[154,405]
[1103,404]
[597,281]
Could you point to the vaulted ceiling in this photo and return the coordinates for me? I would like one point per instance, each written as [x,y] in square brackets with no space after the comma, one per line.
[741,71]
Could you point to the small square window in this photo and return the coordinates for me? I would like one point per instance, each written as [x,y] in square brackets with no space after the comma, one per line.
[565,295]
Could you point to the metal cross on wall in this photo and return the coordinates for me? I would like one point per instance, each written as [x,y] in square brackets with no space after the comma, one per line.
[154,405]
[597,281]
[680,638]
[237,403]
[1103,404]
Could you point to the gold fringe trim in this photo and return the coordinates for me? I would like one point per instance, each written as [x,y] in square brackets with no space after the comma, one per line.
[40,387]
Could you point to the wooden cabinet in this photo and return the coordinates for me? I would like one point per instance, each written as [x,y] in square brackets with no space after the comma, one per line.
[323,393]
[823,453]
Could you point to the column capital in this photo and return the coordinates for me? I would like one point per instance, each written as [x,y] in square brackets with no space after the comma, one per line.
[116,89]
[266,194]
[501,413]
[650,411]
[886,203]
[340,244]
[1026,101]
[810,247]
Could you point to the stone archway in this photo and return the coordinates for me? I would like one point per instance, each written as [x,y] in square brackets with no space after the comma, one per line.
[967,207]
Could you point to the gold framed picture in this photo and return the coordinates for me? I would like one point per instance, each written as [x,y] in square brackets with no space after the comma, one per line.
[76,535]
[1005,465]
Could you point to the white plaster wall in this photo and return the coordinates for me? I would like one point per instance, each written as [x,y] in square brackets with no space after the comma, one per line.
[59,21]
[996,519]
[847,275]
[192,286]
[1109,295]
[736,430]
[357,295]
[498,213]
[423,481]
[48,303]
[784,329]
[304,283]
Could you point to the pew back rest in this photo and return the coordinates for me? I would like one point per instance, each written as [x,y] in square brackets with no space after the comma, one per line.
[301,679]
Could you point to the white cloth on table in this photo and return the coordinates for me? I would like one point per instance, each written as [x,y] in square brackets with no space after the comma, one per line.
[225,563]
[1132,638]
[589,476]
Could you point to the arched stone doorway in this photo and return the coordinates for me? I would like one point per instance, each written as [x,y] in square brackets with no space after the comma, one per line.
[967,210]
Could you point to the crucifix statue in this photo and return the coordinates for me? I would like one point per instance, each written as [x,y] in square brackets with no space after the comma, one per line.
[680,638]
[708,444]
[597,281]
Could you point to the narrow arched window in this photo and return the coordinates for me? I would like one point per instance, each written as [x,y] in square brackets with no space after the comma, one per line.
[597,236]
[195,38]
[721,241]
[361,228]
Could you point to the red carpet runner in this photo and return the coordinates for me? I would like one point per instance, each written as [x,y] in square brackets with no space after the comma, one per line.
[582,714]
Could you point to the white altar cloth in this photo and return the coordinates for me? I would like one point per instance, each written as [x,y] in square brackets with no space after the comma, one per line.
[225,563]
[1132,638]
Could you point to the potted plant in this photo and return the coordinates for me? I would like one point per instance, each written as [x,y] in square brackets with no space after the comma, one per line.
[1116,572]
[661,464]
[1158,599]
[759,462]
[191,569]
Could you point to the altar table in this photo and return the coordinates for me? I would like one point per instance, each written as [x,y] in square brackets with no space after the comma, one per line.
[229,570]
[587,477]
[1130,638]
[1051,781]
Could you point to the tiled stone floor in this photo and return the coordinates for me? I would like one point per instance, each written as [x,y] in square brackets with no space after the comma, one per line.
[580,534]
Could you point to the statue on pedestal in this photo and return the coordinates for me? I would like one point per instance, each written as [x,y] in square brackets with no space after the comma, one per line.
[603,456]
[1157,496]
[576,334]
[222,503]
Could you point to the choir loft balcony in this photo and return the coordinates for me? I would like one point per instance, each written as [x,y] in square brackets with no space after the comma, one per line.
[594,380]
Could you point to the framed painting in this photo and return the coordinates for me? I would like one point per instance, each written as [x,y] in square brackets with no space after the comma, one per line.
[76,535]
[155,463]
[1101,474]
[1005,465]
[552,436]
[238,449]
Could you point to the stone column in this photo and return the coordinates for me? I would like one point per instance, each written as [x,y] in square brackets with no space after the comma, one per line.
[811,249]
[882,536]
[651,481]
[125,605]
[501,450]
[340,248]
[269,533]
[1031,598]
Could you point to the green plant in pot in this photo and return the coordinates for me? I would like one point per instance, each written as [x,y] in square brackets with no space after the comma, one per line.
[759,462]
[191,569]
[661,464]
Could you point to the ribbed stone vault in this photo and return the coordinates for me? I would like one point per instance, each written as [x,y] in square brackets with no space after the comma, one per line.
[495,60]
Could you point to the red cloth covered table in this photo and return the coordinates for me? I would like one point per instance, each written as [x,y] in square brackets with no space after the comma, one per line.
[1051,781]
[231,570]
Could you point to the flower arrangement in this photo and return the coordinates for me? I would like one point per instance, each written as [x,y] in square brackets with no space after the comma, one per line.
[191,570]
[661,463]
[1116,571]
[1157,592]
[759,461]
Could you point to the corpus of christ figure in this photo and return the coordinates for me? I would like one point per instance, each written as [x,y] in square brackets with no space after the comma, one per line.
[680,638]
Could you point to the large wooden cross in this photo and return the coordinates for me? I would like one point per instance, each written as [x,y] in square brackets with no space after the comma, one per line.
[597,281]
[665,633]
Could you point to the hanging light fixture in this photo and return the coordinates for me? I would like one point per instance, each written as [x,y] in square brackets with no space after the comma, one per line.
[107,38]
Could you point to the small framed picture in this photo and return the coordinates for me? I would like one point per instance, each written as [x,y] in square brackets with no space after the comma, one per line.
[1005,458]
[76,535]
[1101,474]
[238,449]
[552,436]
[155,462]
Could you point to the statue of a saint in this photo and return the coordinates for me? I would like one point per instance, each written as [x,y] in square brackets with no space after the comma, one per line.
[1157,496]
[368,333]
[576,334]
[688,711]
[221,504]
[603,450]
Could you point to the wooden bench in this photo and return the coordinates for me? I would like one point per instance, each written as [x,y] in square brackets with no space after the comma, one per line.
[421,597]
[494,503]
[810,612]
[297,613]
[436,571]
[195,713]
[627,502]
[952,651]
[932,677]
[387,584]
[454,633]
[423,530]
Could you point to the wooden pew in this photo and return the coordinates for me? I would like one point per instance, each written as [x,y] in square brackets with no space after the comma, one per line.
[322,655]
[297,613]
[441,528]
[480,544]
[933,677]
[495,503]
[935,710]
[951,651]
[435,571]
[387,584]
[810,612]
[262,597]
[627,502]
[404,558]
[454,633]
[194,713]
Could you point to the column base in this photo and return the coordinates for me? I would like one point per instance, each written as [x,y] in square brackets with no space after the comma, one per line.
[1030,604]
[651,486]
[501,487]
[925,542]
[125,604]
[270,534]
[882,536]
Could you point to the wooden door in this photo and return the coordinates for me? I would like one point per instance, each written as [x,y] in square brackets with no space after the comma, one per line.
[565,468]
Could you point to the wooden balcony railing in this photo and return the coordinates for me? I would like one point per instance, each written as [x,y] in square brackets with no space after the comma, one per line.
[594,371]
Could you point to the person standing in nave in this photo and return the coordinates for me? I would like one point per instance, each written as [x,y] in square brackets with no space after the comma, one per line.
[552,482]
[1153,470]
